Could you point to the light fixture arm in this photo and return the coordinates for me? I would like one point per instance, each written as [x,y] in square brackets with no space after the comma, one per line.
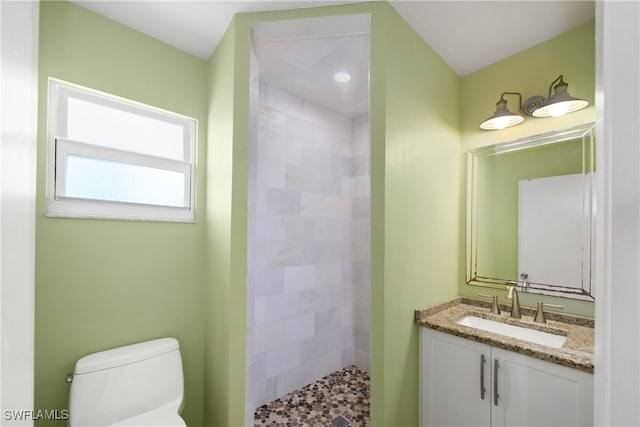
[558,80]
[502,100]
[503,117]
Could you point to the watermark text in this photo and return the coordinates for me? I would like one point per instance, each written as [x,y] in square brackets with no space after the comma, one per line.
[34,415]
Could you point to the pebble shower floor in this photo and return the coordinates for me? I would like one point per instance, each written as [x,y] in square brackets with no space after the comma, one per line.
[338,400]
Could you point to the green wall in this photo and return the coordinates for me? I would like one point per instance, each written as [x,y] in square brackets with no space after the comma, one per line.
[227,185]
[99,283]
[529,72]
[422,146]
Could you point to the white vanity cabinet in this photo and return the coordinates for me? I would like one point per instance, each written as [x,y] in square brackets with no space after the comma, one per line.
[466,383]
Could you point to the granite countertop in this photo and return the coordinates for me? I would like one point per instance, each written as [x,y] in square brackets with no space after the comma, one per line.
[577,351]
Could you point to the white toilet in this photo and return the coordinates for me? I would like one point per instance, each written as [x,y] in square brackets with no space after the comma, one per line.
[135,385]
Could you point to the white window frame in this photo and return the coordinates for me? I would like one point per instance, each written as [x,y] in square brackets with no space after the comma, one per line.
[58,146]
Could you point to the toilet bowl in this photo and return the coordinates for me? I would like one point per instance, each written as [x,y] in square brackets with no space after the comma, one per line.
[135,385]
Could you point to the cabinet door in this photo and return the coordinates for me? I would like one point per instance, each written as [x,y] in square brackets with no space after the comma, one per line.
[532,392]
[451,375]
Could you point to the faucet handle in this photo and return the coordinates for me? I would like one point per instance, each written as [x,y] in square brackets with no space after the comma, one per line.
[512,294]
[495,308]
[540,318]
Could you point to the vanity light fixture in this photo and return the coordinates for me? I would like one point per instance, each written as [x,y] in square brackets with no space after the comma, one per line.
[556,105]
[503,118]
[560,103]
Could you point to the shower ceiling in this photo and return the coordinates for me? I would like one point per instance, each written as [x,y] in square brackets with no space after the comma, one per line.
[302,56]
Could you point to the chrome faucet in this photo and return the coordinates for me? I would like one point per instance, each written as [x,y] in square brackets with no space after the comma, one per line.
[512,294]
[525,284]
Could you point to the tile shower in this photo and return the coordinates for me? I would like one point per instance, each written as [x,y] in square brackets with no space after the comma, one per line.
[309,244]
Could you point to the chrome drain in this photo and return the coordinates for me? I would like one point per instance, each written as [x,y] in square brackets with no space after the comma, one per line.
[340,421]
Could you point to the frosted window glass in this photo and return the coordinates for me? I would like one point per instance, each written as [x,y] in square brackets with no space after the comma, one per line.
[113,128]
[99,179]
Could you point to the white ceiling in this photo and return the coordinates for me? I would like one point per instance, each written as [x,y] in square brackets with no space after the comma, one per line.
[468,35]
[301,56]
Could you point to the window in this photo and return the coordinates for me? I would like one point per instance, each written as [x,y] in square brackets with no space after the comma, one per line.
[113,158]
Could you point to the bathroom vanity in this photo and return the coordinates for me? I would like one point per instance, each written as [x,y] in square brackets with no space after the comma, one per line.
[470,376]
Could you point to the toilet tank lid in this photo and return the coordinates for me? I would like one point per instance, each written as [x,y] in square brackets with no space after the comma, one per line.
[125,355]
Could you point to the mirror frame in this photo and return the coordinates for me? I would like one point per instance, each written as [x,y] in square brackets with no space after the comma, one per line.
[472,277]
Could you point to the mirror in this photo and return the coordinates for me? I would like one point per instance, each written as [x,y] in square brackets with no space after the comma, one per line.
[531,211]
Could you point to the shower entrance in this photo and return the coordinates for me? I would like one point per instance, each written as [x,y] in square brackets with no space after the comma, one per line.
[308,281]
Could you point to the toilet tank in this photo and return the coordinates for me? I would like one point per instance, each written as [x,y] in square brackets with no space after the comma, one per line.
[123,382]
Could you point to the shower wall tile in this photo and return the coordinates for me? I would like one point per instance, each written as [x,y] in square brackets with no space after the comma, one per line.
[299,328]
[360,165]
[271,121]
[361,338]
[361,229]
[361,207]
[310,240]
[251,301]
[361,186]
[360,251]
[251,377]
[312,301]
[345,186]
[280,254]
[299,278]
[361,318]
[360,137]
[299,228]
[314,252]
[339,295]
[362,298]
[268,336]
[283,202]
[300,179]
[326,322]
[301,130]
[268,281]
[280,360]
[314,347]
[320,205]
[331,185]
[261,199]
[329,228]
[328,274]
[362,359]
[315,160]
[271,229]
[272,174]
[347,357]
[361,243]
[346,315]
[333,141]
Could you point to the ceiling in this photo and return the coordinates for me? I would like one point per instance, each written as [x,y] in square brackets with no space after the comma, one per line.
[468,35]
[301,56]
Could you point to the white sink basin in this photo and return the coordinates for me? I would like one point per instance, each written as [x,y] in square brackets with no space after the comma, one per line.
[518,332]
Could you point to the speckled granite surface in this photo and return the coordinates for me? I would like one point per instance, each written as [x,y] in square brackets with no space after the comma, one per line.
[577,351]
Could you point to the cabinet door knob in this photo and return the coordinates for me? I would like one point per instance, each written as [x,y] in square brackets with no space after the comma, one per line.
[482,389]
[495,381]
